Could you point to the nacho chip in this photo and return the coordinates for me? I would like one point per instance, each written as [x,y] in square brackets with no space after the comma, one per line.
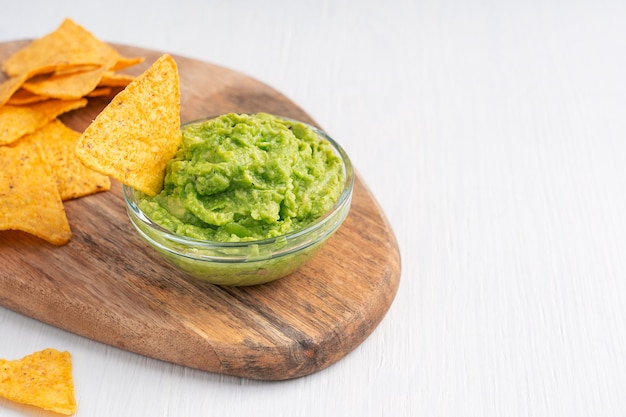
[67,47]
[115,79]
[66,86]
[17,121]
[24,97]
[29,198]
[73,179]
[136,135]
[71,58]
[76,68]
[42,379]
[10,86]
[100,92]
[125,62]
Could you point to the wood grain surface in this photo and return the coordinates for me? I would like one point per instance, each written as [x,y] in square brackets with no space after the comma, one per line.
[108,286]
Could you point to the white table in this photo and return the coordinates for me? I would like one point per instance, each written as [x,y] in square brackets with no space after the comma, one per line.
[493,134]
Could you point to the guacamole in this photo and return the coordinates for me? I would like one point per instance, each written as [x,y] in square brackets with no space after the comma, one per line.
[242,177]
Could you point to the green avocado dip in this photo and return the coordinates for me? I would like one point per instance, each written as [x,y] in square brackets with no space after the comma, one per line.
[244,177]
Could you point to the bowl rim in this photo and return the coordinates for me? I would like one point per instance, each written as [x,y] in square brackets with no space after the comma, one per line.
[344,199]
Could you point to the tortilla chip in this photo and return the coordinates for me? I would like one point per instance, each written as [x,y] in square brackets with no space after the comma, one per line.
[66,86]
[10,86]
[75,68]
[136,135]
[29,198]
[67,47]
[73,179]
[17,121]
[125,62]
[72,59]
[100,92]
[42,379]
[24,97]
[115,79]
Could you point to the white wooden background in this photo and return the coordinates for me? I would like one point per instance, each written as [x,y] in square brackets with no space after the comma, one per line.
[493,134]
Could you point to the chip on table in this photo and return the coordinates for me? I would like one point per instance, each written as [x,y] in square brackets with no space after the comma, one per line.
[42,379]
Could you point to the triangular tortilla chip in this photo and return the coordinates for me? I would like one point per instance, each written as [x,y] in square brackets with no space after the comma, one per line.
[29,198]
[100,92]
[10,86]
[67,47]
[66,86]
[73,179]
[115,79]
[24,97]
[136,135]
[42,379]
[125,62]
[17,121]
[66,63]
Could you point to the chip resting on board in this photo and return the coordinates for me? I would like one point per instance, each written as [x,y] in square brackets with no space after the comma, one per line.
[135,136]
[100,91]
[73,179]
[70,47]
[67,63]
[66,86]
[17,121]
[9,87]
[24,97]
[29,198]
[42,379]
[115,79]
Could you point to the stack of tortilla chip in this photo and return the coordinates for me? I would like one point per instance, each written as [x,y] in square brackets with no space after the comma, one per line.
[50,76]
[68,63]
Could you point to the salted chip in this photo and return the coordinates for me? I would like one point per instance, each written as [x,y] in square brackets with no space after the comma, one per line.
[42,379]
[138,132]
[29,198]
[68,47]
[73,179]
[17,121]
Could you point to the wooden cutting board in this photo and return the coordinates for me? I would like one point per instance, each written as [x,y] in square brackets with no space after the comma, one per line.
[106,285]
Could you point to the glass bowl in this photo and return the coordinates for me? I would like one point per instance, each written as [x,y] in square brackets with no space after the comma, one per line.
[245,263]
